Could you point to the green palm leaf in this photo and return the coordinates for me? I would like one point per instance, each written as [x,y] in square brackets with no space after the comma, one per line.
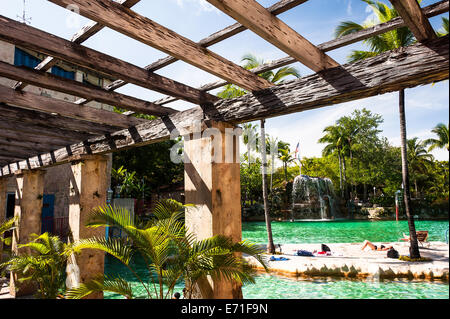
[101,284]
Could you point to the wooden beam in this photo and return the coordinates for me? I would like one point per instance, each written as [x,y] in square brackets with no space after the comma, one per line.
[9,136]
[415,19]
[56,83]
[31,147]
[276,9]
[42,120]
[44,131]
[82,35]
[388,72]
[10,159]
[64,108]
[140,28]
[258,19]
[15,152]
[33,39]
[430,11]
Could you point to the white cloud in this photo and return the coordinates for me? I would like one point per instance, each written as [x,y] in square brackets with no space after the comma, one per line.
[202,5]
[371,18]
[349,7]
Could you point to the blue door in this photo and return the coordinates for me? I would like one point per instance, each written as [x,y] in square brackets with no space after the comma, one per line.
[48,209]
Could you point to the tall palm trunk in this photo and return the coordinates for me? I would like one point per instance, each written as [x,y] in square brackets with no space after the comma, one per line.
[344,170]
[414,247]
[270,245]
[340,175]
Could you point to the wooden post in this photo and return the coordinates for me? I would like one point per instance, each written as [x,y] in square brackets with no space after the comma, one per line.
[212,183]
[87,191]
[28,211]
[3,185]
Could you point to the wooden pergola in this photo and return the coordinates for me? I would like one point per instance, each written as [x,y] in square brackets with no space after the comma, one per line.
[37,132]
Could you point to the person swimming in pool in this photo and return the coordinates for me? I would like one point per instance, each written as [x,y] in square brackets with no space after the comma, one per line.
[375,247]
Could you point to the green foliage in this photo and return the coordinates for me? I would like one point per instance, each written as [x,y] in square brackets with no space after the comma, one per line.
[151,166]
[444,30]
[442,140]
[421,259]
[169,253]
[7,225]
[43,260]
[381,43]
[232,91]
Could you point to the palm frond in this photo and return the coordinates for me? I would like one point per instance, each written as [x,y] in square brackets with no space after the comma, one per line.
[346,28]
[284,72]
[108,215]
[113,246]
[7,225]
[231,91]
[101,284]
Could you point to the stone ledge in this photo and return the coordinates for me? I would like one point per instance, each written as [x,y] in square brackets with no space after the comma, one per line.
[349,261]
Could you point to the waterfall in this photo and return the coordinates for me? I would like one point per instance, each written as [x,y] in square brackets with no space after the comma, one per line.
[311,196]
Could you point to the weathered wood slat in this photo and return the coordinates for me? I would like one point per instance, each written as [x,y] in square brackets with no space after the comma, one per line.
[64,108]
[8,159]
[258,19]
[45,131]
[140,28]
[44,120]
[415,19]
[429,11]
[31,38]
[228,32]
[82,35]
[9,136]
[31,147]
[403,68]
[15,152]
[53,82]
[277,8]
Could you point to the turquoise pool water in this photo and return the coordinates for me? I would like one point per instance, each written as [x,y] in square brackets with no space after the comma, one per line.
[276,287]
[339,231]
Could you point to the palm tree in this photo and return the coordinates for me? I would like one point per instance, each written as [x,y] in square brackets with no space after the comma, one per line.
[7,225]
[442,140]
[284,154]
[232,91]
[418,159]
[335,139]
[251,138]
[378,44]
[170,255]
[272,144]
[43,262]
[444,31]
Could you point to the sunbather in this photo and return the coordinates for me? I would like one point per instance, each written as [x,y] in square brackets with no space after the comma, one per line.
[375,247]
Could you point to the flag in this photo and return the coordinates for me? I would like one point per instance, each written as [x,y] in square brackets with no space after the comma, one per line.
[297,151]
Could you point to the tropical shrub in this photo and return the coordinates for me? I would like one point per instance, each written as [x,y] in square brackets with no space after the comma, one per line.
[169,253]
[42,261]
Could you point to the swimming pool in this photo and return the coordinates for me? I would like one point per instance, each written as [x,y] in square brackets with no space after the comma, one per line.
[276,287]
[345,231]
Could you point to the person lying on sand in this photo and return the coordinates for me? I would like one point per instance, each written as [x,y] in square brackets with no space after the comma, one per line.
[375,247]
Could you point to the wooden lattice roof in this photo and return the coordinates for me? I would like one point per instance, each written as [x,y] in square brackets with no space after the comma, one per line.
[38,131]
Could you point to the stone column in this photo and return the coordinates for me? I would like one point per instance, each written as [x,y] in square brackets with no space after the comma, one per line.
[87,191]
[212,183]
[3,186]
[28,211]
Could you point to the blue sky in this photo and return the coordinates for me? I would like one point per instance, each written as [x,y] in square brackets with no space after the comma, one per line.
[195,19]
